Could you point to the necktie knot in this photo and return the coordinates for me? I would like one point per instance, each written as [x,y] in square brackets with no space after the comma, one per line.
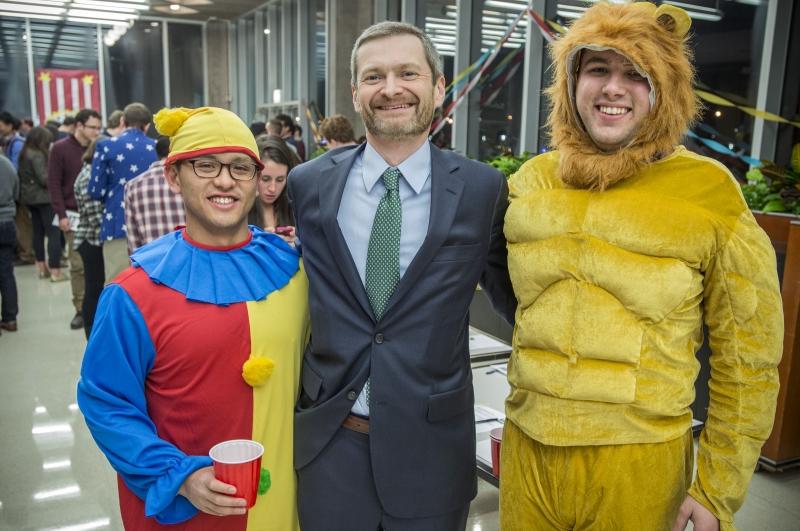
[391,179]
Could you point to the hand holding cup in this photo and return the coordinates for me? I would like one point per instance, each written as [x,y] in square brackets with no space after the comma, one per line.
[210,495]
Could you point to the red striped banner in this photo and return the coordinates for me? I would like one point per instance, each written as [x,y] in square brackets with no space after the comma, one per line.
[62,92]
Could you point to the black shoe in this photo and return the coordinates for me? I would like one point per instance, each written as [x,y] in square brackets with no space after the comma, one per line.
[77,322]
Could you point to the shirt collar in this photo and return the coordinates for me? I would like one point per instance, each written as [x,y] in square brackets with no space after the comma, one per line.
[415,169]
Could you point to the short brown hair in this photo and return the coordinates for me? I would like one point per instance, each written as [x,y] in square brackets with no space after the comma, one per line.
[337,128]
[114,119]
[83,116]
[381,30]
[137,115]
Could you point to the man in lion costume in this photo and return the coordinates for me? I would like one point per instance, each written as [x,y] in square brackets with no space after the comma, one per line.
[622,245]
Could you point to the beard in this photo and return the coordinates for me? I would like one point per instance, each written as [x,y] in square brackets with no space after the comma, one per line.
[398,129]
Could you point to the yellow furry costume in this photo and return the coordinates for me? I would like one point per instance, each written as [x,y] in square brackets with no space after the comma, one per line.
[617,259]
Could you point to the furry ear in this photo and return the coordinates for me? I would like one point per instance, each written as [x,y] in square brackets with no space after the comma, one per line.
[673,19]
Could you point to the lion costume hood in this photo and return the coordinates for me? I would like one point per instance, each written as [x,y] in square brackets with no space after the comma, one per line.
[654,39]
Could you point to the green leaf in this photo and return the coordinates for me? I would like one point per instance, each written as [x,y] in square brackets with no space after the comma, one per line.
[775,205]
[754,175]
[795,159]
[509,164]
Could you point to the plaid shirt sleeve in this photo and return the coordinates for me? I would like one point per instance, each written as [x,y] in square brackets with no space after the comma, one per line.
[91,211]
[151,208]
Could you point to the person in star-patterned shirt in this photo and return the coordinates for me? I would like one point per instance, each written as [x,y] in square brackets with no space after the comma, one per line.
[117,161]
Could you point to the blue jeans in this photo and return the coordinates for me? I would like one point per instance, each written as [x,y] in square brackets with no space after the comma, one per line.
[8,285]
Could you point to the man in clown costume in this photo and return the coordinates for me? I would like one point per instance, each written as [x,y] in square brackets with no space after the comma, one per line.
[200,341]
[622,244]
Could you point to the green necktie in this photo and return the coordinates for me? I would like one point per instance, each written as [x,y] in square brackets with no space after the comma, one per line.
[383,252]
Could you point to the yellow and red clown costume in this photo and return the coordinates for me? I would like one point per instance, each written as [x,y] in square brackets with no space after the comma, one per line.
[194,345]
[617,260]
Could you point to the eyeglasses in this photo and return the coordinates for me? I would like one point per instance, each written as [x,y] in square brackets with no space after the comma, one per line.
[211,168]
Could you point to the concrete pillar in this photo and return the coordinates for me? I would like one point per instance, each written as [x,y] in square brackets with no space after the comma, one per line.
[218,67]
[346,20]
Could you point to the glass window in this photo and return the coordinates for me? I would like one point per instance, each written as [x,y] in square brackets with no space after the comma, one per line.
[135,68]
[320,56]
[275,61]
[440,26]
[500,88]
[290,53]
[14,80]
[788,135]
[727,46]
[246,81]
[185,64]
[65,68]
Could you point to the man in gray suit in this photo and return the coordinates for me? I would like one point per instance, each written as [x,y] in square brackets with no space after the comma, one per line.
[396,235]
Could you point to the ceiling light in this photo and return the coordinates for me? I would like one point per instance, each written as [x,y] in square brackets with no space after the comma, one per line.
[175,9]
[104,15]
[29,9]
[104,12]
[506,5]
[26,15]
[108,6]
[266,31]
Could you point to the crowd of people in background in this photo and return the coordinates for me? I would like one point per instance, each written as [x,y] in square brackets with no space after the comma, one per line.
[80,195]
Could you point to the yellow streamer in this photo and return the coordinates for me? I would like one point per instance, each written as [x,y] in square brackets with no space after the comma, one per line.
[758,113]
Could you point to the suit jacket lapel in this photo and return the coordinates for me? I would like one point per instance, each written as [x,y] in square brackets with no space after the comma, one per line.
[331,186]
[446,188]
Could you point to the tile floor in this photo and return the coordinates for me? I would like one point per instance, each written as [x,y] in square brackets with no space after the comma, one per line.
[53,477]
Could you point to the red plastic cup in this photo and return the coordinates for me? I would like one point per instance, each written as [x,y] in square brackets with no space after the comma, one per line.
[496,436]
[238,463]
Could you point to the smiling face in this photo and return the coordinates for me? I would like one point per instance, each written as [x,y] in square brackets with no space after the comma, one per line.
[611,97]
[272,182]
[216,209]
[395,93]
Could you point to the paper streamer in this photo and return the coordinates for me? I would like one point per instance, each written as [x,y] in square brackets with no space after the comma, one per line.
[719,148]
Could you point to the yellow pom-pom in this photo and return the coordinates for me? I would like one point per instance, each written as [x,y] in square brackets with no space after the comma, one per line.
[168,121]
[257,370]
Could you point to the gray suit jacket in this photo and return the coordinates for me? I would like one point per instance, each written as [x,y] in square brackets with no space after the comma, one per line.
[422,433]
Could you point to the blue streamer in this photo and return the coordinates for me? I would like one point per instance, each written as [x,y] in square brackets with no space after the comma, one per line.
[719,148]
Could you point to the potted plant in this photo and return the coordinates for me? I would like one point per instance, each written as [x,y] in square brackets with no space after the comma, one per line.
[508,163]
[774,188]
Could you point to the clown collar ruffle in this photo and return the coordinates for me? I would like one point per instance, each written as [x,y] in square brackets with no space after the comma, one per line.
[248,272]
